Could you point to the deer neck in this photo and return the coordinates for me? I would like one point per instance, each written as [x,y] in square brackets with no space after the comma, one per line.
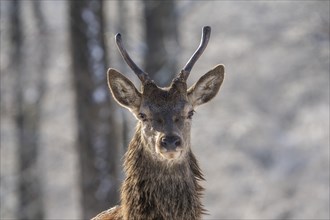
[155,190]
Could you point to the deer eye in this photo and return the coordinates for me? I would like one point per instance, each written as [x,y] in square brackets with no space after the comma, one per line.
[142,116]
[190,114]
[176,119]
[159,121]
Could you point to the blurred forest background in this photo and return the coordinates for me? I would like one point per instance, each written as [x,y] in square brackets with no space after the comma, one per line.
[263,142]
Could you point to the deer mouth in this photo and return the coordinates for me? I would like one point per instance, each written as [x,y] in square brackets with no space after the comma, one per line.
[171,154]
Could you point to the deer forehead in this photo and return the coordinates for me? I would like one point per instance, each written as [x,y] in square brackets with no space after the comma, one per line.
[164,101]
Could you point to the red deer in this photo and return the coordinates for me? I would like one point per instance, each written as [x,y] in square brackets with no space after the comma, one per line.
[162,173]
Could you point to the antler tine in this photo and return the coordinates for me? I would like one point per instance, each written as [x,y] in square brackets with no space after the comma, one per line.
[143,76]
[204,40]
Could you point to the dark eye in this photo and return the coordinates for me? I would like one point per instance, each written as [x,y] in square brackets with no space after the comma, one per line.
[142,116]
[159,121]
[190,114]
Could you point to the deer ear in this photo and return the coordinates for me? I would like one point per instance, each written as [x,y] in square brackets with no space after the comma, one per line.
[123,90]
[207,86]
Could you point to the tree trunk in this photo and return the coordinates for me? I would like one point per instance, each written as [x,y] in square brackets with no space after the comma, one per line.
[162,40]
[98,129]
[27,118]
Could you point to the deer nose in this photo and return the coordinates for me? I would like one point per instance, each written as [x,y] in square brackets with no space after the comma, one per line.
[170,143]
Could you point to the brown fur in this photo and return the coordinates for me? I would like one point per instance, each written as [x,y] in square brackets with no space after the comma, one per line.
[154,190]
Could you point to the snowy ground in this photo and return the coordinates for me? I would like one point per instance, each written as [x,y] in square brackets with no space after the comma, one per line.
[263,142]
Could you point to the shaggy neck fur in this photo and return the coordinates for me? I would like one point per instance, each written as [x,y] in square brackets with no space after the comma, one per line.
[156,190]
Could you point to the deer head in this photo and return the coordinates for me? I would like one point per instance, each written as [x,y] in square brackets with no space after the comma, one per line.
[165,114]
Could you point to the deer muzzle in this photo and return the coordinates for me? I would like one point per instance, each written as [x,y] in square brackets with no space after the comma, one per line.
[170,146]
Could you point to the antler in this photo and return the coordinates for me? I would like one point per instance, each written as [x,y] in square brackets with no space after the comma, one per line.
[143,76]
[204,40]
